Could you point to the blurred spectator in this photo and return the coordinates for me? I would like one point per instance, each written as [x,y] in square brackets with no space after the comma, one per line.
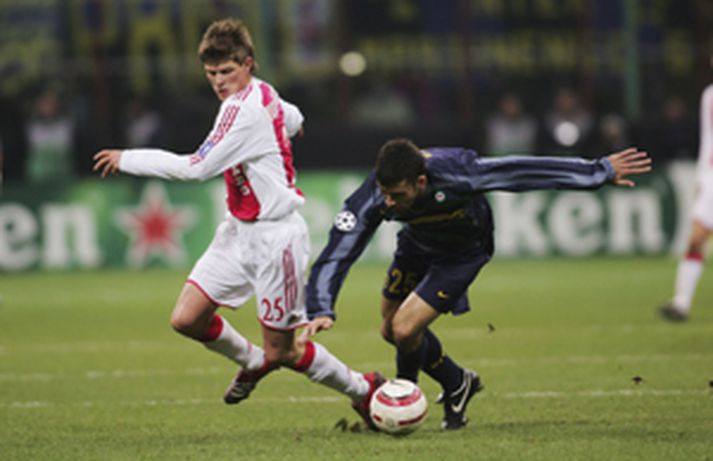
[381,105]
[186,119]
[613,134]
[2,158]
[568,125]
[675,133]
[510,130]
[12,137]
[50,132]
[144,125]
[88,132]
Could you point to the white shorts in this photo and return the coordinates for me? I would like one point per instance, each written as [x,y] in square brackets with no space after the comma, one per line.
[703,203]
[267,259]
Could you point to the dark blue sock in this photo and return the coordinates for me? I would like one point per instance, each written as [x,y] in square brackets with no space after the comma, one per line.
[408,364]
[439,366]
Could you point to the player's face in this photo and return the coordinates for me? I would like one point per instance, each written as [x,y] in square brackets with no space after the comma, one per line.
[228,77]
[401,196]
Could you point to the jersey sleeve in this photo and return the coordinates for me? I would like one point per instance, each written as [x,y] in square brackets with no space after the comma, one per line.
[352,230]
[293,118]
[705,147]
[224,147]
[516,173]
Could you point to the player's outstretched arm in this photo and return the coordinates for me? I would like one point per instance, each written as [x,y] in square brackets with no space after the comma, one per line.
[107,161]
[629,162]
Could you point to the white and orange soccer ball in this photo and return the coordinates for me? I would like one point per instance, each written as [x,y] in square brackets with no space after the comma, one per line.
[398,407]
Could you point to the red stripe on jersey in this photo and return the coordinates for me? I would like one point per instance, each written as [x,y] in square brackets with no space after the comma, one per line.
[270,102]
[244,93]
[288,267]
[218,133]
[242,201]
[225,123]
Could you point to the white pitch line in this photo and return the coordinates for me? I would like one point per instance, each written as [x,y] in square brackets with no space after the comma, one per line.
[30,404]
[99,346]
[35,404]
[559,360]
[340,337]
[592,359]
[603,393]
[108,374]
[382,365]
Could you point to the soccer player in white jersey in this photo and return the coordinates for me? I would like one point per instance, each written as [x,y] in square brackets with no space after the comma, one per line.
[690,267]
[262,246]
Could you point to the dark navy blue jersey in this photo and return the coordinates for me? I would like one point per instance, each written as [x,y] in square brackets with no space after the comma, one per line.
[451,218]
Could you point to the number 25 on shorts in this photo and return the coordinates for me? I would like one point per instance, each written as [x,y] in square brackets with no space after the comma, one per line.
[272,311]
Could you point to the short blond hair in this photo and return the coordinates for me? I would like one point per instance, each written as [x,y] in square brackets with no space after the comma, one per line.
[226,40]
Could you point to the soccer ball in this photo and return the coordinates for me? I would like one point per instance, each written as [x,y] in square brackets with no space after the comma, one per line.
[398,407]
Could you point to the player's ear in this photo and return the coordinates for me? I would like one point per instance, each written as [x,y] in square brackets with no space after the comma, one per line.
[248,61]
[422,181]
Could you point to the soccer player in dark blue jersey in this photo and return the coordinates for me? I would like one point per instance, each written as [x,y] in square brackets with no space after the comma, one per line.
[446,239]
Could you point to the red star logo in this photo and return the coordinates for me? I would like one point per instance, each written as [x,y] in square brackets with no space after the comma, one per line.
[155,228]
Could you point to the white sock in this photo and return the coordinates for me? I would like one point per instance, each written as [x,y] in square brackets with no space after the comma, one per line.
[322,367]
[689,271]
[231,344]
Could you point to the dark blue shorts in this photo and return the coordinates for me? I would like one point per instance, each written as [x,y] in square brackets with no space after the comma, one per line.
[441,280]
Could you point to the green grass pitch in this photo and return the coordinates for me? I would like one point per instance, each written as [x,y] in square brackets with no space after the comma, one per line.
[90,369]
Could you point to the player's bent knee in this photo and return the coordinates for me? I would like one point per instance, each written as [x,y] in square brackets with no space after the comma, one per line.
[699,237]
[387,333]
[185,326]
[697,243]
[404,337]
[178,323]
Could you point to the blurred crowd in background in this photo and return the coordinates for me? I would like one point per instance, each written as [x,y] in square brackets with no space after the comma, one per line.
[532,77]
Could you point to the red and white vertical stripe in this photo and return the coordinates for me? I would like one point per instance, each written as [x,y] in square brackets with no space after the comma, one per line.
[288,267]
[271,103]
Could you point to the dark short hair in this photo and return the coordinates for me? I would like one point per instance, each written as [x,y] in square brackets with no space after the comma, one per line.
[226,40]
[398,160]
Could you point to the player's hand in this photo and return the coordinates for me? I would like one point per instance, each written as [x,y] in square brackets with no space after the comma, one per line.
[315,326]
[629,162]
[107,162]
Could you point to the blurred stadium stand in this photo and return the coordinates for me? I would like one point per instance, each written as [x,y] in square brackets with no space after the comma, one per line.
[438,66]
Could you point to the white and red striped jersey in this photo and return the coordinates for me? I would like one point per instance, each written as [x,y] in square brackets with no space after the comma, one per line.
[249,145]
[705,149]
